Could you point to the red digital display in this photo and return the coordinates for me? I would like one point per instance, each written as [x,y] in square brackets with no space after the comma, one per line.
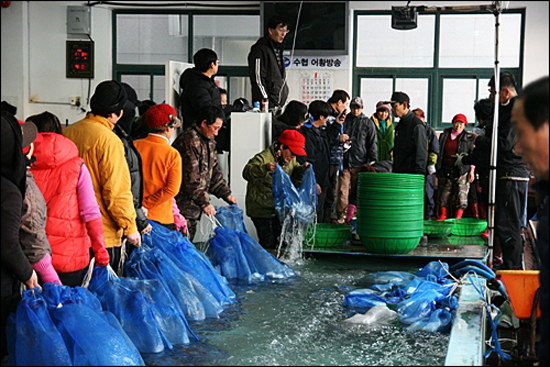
[80,59]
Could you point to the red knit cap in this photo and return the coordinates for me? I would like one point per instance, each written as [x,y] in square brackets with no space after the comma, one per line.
[460,117]
[159,115]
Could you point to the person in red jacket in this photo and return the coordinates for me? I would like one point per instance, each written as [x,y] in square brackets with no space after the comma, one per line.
[74,220]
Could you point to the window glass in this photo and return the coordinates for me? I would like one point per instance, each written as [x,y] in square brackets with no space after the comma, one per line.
[159,89]
[140,83]
[374,90]
[378,45]
[459,96]
[240,88]
[468,40]
[417,90]
[229,35]
[151,38]
[483,89]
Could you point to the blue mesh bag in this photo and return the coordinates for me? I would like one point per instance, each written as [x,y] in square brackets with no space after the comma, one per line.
[301,202]
[195,301]
[363,301]
[231,216]
[36,341]
[418,306]
[437,321]
[226,253]
[435,271]
[188,258]
[169,317]
[262,261]
[132,308]
[90,337]
[421,285]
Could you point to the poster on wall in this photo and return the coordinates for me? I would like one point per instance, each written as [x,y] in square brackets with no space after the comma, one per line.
[315,85]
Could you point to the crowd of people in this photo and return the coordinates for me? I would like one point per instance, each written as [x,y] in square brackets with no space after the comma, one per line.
[73,194]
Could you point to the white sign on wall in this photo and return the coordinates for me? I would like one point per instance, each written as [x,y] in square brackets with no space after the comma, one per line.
[317,62]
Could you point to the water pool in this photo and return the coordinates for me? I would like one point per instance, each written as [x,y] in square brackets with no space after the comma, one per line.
[300,322]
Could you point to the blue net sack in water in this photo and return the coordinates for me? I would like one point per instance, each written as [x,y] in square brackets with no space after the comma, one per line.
[132,308]
[37,341]
[231,216]
[435,271]
[169,317]
[226,253]
[422,285]
[262,261]
[300,203]
[418,306]
[438,321]
[188,258]
[363,301]
[89,335]
[193,298]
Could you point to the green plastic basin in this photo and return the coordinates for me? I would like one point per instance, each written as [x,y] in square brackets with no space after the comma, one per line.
[437,229]
[468,226]
[388,245]
[326,235]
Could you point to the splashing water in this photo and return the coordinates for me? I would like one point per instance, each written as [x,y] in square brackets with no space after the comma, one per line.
[293,231]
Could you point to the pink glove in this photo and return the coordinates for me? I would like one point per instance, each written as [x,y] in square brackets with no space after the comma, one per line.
[95,232]
[45,270]
[179,220]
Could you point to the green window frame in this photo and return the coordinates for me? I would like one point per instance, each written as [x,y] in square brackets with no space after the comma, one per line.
[159,70]
[435,74]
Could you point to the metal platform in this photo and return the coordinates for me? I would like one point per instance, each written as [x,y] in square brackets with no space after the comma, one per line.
[436,248]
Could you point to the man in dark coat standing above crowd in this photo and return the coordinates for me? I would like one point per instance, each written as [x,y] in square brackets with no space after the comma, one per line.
[410,151]
[198,88]
[266,65]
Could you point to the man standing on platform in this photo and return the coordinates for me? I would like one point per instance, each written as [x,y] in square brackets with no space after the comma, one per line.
[410,151]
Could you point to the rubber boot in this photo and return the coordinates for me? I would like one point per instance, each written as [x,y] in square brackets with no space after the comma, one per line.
[351,213]
[473,209]
[458,214]
[482,211]
[443,215]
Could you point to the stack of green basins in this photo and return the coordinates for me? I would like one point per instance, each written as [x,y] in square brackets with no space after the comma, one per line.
[390,211]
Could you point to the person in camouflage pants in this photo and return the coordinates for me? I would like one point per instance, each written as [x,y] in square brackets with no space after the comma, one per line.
[452,179]
[201,172]
[459,188]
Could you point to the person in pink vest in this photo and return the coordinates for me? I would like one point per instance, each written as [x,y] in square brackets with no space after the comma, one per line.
[74,220]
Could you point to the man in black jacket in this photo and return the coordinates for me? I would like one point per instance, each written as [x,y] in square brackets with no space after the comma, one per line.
[410,151]
[266,65]
[318,151]
[512,176]
[198,88]
[133,158]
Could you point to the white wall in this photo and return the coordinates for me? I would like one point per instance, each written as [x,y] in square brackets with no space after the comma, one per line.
[33,52]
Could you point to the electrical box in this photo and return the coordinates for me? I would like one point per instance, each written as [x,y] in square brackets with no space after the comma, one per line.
[79,19]
[80,59]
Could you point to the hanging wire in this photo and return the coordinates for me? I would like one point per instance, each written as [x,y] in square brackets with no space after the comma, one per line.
[292,49]
[490,309]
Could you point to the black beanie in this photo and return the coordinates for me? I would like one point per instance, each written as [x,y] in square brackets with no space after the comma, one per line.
[109,97]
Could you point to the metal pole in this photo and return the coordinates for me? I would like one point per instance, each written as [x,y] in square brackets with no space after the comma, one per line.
[494,147]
